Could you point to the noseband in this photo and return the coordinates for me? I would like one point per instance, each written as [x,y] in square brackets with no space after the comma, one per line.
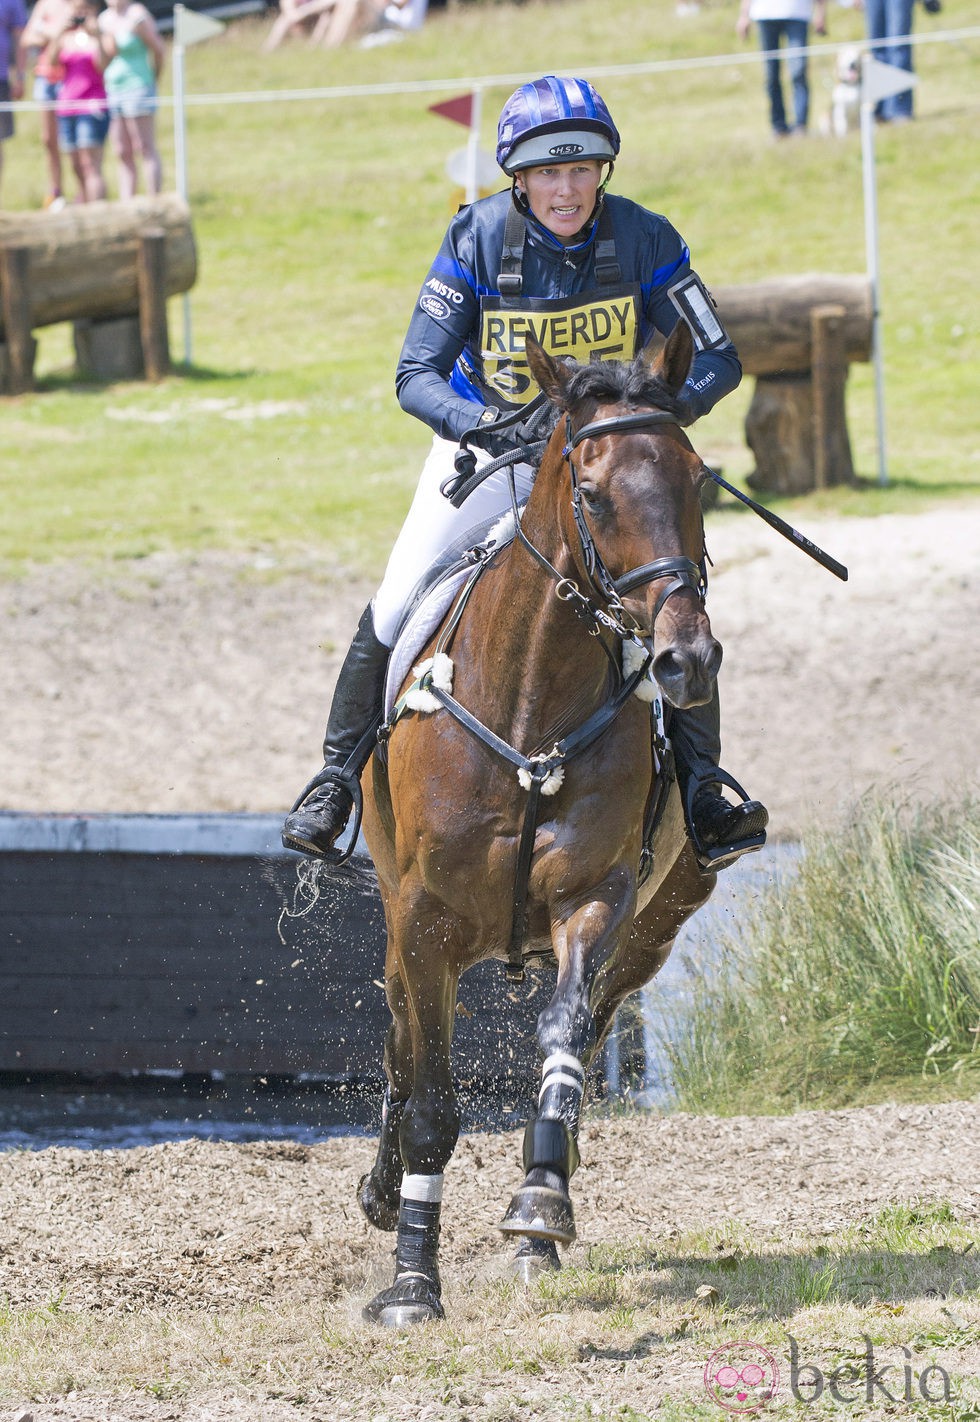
[683,572]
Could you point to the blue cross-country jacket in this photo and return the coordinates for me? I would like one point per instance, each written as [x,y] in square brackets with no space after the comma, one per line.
[464,348]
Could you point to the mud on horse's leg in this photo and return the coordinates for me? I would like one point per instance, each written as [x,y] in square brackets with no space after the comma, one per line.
[378,1193]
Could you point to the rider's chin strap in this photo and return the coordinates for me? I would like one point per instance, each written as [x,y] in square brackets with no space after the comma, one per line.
[510,279]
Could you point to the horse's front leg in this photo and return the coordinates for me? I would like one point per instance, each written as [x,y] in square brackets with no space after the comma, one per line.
[429,1125]
[379,1192]
[541,1210]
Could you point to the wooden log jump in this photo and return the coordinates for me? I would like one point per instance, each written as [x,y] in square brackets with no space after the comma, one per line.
[797,336]
[93,263]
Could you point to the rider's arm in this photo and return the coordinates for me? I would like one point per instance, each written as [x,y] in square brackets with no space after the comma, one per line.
[445,318]
[671,287]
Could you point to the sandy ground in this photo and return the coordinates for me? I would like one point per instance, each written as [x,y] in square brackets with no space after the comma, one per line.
[197,1230]
[176,685]
[199,1223]
[194,685]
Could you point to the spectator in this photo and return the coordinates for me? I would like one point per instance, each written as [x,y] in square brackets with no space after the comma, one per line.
[13,20]
[890,20]
[395,19]
[136,54]
[47,19]
[341,20]
[790,20]
[292,18]
[83,115]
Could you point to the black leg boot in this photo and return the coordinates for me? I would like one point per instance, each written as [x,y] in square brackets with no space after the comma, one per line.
[323,809]
[720,831]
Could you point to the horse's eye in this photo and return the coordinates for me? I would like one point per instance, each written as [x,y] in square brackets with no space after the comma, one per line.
[590,496]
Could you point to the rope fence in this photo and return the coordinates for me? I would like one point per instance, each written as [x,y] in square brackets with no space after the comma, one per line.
[511,81]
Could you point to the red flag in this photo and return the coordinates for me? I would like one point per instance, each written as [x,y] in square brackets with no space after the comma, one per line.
[458,110]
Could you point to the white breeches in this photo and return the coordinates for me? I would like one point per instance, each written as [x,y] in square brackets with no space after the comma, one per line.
[432,524]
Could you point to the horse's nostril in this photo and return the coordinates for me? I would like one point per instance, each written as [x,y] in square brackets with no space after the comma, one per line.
[670,666]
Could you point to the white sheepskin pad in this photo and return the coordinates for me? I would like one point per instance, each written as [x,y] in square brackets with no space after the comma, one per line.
[551,784]
[442,669]
[633,657]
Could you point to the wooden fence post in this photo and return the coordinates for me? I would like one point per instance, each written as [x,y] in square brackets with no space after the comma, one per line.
[15,279]
[831,446]
[151,281]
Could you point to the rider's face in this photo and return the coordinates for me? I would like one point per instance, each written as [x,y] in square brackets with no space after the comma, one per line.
[562,195]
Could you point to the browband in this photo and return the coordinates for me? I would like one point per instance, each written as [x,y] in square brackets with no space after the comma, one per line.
[618,424]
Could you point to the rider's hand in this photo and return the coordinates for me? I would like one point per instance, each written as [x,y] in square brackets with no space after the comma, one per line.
[485,436]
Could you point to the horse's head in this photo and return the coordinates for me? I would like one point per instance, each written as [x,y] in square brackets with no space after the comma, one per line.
[634,518]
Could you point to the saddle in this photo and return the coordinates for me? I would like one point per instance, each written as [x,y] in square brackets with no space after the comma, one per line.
[434,595]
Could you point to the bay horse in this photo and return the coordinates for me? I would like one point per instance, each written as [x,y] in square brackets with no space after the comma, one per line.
[611,543]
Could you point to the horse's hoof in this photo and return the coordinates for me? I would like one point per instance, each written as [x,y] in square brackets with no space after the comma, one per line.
[535,1257]
[380,1212]
[409,1302]
[541,1213]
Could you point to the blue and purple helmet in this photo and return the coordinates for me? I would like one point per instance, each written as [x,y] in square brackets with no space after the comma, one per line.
[554,120]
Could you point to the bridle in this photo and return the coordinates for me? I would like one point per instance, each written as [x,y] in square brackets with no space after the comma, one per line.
[683,572]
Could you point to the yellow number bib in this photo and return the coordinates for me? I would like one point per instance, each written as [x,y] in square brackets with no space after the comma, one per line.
[588,327]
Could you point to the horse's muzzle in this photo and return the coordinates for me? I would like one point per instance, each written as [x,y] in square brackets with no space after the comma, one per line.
[686,674]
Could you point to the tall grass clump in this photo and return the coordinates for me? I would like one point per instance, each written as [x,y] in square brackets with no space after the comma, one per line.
[862,967]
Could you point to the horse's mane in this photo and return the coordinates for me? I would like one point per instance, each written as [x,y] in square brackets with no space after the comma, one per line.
[610,382]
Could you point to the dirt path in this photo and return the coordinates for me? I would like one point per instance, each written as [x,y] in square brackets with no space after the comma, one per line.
[195,685]
[162,1252]
[181,685]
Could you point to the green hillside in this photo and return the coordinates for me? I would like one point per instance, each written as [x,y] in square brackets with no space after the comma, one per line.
[316,219]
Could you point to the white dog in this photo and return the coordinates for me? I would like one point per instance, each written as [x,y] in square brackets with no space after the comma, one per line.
[845,101]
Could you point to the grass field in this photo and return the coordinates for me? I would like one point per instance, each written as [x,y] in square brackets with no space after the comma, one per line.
[849,981]
[316,219]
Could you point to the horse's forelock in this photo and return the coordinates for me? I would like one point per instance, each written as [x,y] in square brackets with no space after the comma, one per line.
[618,383]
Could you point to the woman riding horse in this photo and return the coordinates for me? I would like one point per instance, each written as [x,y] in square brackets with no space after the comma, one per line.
[589,276]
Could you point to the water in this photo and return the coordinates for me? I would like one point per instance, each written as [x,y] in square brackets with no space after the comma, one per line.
[149,1110]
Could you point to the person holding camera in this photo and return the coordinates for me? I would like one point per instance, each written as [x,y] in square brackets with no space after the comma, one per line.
[82,108]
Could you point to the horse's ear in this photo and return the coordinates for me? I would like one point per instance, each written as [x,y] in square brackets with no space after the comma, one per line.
[550,375]
[673,363]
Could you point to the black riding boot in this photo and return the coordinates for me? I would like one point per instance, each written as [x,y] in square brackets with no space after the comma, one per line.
[323,809]
[720,831]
